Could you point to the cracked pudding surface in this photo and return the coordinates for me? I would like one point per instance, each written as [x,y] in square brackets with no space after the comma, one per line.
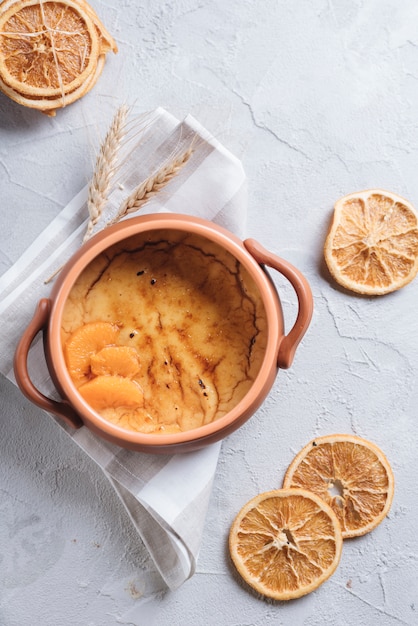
[187,309]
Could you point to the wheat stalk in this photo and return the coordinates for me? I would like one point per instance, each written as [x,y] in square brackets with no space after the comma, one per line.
[107,165]
[152,185]
[105,169]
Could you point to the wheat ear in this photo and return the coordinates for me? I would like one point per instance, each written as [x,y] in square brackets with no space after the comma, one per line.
[152,185]
[105,168]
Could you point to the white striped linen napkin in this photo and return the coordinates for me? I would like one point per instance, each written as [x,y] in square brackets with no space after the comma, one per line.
[165,496]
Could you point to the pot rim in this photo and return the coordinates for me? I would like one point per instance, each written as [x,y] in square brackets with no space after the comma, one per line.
[124,230]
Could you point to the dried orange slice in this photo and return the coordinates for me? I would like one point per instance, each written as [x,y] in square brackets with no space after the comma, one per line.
[285,543]
[115,360]
[372,245]
[49,105]
[107,43]
[83,343]
[47,47]
[50,51]
[350,474]
[105,392]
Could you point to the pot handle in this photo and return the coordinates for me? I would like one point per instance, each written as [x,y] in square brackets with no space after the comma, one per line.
[20,364]
[290,342]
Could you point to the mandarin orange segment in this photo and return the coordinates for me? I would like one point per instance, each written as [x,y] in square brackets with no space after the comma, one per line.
[115,360]
[372,245]
[83,343]
[285,543]
[350,474]
[105,392]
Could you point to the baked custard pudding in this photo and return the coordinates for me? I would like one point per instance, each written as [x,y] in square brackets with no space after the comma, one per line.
[164,332]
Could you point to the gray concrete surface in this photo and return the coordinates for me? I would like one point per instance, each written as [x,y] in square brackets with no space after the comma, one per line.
[318,98]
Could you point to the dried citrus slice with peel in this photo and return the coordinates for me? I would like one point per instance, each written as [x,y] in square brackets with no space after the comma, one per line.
[285,543]
[372,245]
[350,474]
[50,51]
[47,47]
[83,343]
[115,361]
[49,105]
[107,43]
[105,392]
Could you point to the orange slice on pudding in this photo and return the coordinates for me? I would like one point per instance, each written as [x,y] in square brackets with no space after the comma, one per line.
[115,361]
[85,342]
[105,392]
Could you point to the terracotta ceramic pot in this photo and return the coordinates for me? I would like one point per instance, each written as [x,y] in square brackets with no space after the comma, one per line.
[278,352]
